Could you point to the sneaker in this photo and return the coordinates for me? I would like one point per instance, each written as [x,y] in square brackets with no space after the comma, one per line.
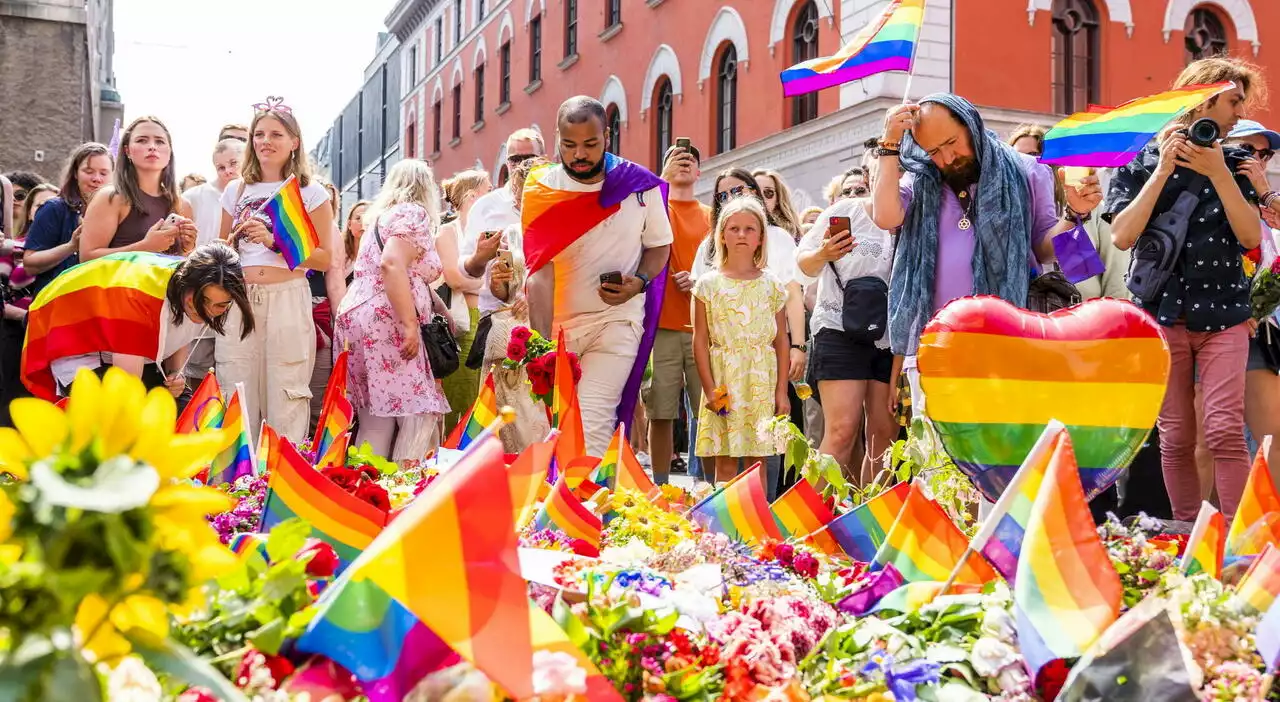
[678,465]
[644,459]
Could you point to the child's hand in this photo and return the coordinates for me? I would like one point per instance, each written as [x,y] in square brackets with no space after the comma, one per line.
[781,403]
[718,402]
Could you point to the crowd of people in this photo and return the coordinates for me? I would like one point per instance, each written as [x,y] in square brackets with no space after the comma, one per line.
[692,321]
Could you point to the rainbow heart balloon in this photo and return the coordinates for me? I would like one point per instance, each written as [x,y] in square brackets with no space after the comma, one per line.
[993,376]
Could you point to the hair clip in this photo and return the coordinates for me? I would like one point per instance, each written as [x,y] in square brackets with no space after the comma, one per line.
[273,104]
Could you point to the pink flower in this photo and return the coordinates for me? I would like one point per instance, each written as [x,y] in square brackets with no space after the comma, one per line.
[522,334]
[557,674]
[197,694]
[517,349]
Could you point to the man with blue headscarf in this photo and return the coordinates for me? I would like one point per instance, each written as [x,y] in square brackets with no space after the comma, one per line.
[975,215]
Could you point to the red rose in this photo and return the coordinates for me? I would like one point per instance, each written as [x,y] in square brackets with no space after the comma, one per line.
[575,366]
[522,334]
[517,349]
[346,478]
[784,553]
[541,385]
[279,666]
[197,694]
[369,472]
[324,562]
[1051,678]
[375,495]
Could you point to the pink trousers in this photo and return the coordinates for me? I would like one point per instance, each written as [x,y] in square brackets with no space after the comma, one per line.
[1220,358]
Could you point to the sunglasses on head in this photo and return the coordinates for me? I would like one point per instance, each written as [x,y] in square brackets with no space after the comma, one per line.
[735,191]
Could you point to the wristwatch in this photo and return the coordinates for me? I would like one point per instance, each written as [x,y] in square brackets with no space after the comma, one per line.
[643,279]
[802,348]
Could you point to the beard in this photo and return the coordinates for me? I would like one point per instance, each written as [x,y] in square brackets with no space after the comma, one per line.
[962,173]
[571,167]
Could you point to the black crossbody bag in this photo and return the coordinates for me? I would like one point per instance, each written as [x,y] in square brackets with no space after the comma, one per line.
[437,341]
[865,311]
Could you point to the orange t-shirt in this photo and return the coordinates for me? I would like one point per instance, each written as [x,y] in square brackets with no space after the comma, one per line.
[690,224]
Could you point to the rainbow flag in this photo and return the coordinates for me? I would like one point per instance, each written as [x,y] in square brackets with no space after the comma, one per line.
[620,468]
[235,460]
[565,513]
[528,474]
[1252,527]
[740,509]
[1261,583]
[1110,137]
[860,532]
[800,511]
[483,413]
[912,596]
[334,389]
[394,615]
[297,489]
[566,416]
[110,304]
[887,44]
[924,544]
[337,418]
[1207,544]
[245,545]
[204,410]
[999,538]
[1066,593]
[1040,377]
[295,234]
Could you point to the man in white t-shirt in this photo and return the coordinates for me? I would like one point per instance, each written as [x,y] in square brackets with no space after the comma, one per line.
[591,261]
[496,210]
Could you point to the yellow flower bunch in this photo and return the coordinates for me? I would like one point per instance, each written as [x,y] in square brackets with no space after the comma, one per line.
[104,518]
[635,516]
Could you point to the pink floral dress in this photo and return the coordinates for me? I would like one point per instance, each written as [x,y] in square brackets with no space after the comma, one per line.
[380,381]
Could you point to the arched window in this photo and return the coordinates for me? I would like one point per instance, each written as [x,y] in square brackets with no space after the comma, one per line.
[727,100]
[804,46]
[1075,55]
[613,120]
[663,103]
[1205,35]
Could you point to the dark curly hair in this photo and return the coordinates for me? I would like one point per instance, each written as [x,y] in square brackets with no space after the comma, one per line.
[211,264]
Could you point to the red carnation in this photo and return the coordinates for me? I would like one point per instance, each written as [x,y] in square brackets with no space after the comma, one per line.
[346,478]
[517,349]
[522,334]
[197,694]
[324,562]
[375,495]
[279,666]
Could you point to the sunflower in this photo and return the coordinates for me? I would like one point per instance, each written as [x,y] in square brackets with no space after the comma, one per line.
[114,450]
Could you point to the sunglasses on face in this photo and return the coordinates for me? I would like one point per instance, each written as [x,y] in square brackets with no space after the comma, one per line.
[859,191]
[517,159]
[19,195]
[1261,154]
[731,193]
[768,193]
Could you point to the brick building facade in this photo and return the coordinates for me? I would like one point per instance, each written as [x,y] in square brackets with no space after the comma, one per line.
[57,81]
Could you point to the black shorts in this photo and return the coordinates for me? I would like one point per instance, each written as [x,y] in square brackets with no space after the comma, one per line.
[837,357]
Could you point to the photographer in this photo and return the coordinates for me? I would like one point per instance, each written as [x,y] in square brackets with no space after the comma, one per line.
[1181,202]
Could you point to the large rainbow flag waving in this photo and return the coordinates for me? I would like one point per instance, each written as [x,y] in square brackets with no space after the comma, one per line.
[887,44]
[555,217]
[111,304]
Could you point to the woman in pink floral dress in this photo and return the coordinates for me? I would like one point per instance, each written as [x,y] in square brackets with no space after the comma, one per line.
[400,405]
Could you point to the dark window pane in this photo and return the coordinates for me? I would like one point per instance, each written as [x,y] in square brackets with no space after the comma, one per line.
[615,130]
[535,49]
[663,103]
[504,78]
[1206,36]
[570,27]
[727,93]
[804,46]
[479,92]
[1075,55]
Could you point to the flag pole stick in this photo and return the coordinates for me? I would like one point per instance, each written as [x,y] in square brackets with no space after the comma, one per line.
[915,47]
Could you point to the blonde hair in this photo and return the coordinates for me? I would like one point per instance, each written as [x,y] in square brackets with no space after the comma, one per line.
[529,134]
[741,205]
[298,165]
[832,191]
[461,184]
[1034,131]
[1247,76]
[409,181]
[784,215]
[815,211]
[520,177]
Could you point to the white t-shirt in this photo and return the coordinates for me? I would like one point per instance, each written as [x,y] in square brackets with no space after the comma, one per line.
[513,241]
[780,256]
[493,212]
[253,198]
[173,338]
[871,257]
[206,208]
[616,244]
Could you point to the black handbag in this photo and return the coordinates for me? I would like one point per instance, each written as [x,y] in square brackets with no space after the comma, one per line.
[443,353]
[1268,341]
[865,311]
[1052,291]
[475,358]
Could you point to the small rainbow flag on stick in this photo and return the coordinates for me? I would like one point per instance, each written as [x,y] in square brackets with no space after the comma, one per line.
[204,410]
[887,44]
[1261,583]
[800,511]
[528,473]
[1256,522]
[1105,137]
[1067,593]
[740,509]
[295,234]
[237,459]
[620,468]
[1207,544]
[565,513]
[924,544]
[860,532]
[482,414]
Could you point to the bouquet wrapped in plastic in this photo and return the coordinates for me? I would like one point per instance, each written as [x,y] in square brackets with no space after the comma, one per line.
[1264,295]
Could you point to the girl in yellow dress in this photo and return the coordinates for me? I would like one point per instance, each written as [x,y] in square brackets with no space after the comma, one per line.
[740,343]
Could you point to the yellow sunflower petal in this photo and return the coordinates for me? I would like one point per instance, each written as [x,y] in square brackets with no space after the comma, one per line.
[9,554]
[107,643]
[43,426]
[83,412]
[120,411]
[159,415]
[186,454]
[211,561]
[14,453]
[192,500]
[6,517]
[142,616]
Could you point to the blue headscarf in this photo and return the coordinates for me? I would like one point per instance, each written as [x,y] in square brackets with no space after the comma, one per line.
[1001,226]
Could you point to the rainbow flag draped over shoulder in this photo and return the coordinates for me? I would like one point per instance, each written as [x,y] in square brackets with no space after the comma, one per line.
[800,511]
[553,218]
[1257,518]
[294,233]
[111,304]
[205,410]
[394,615]
[740,509]
[1206,546]
[887,44]
[297,489]
[1066,593]
[236,460]
[620,468]
[860,531]
[1110,137]
[924,544]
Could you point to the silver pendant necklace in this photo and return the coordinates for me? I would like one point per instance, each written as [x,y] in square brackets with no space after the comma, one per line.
[965,223]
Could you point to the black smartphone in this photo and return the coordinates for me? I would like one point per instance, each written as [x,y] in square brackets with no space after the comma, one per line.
[683,143]
[612,278]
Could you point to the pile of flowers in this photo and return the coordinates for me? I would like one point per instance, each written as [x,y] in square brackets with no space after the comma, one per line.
[1264,294]
[537,355]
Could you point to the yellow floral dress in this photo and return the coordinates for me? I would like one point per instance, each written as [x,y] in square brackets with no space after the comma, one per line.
[741,325]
